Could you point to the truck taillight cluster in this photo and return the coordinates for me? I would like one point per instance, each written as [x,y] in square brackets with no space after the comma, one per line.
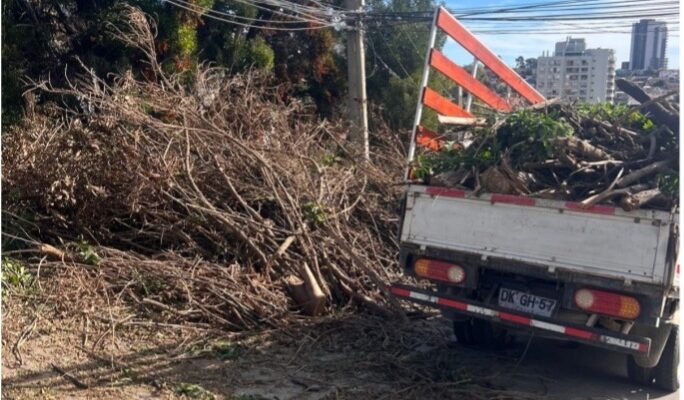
[606,303]
[439,271]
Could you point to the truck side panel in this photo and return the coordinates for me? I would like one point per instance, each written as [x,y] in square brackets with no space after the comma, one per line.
[614,246]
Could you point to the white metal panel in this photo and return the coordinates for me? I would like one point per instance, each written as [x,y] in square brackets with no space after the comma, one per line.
[605,245]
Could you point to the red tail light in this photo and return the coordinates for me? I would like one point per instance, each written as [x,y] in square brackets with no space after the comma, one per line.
[606,303]
[439,271]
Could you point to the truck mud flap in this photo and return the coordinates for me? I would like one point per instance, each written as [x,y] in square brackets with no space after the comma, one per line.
[592,336]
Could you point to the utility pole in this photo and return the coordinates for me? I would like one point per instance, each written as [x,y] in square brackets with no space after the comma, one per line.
[356,71]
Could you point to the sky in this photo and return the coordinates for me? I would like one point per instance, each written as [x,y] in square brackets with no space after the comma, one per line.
[511,45]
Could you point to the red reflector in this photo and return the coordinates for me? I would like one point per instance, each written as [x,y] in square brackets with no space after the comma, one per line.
[453,304]
[579,333]
[439,271]
[514,318]
[397,291]
[606,303]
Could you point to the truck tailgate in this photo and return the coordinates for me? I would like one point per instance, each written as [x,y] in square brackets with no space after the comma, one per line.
[601,240]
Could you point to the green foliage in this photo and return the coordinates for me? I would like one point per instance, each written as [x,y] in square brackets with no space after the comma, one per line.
[87,252]
[400,96]
[427,164]
[669,185]
[330,159]
[618,114]
[204,3]
[43,38]
[604,112]
[260,54]
[531,133]
[314,213]
[226,350]
[394,64]
[524,132]
[639,121]
[186,40]
[193,391]
[398,100]
[240,53]
[451,158]
[15,276]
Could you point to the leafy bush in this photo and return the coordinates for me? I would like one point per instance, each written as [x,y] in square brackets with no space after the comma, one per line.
[192,391]
[618,114]
[15,276]
[531,133]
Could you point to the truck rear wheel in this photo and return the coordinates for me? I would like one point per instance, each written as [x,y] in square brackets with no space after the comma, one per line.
[463,330]
[637,374]
[665,373]
[474,331]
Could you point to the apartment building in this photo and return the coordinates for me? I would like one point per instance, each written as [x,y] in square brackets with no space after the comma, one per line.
[575,73]
[649,42]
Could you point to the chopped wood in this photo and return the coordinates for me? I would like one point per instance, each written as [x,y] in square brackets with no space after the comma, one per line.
[587,154]
[643,172]
[603,195]
[307,291]
[582,148]
[656,110]
[636,200]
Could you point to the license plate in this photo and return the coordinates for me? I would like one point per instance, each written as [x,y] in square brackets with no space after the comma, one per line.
[526,302]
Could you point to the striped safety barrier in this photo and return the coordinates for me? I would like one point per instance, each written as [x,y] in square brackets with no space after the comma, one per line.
[449,112]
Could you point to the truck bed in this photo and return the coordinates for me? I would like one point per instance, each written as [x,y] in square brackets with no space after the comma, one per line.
[601,240]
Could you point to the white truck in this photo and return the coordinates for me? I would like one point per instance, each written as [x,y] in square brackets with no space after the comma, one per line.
[502,263]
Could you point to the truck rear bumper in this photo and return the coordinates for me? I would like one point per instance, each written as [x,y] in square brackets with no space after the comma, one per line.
[596,337]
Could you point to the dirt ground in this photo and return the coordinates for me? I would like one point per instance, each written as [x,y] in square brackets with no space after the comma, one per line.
[346,356]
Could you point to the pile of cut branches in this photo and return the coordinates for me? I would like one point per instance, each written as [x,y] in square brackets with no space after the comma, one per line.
[588,153]
[229,198]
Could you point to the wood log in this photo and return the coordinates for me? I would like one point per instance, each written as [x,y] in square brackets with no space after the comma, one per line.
[627,133]
[60,255]
[53,252]
[597,198]
[657,111]
[632,90]
[633,201]
[611,193]
[306,291]
[494,180]
[642,173]
[582,148]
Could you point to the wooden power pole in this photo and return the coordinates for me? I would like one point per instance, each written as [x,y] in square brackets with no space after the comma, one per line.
[356,71]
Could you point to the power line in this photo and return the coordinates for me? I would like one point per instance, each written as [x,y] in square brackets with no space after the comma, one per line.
[194,9]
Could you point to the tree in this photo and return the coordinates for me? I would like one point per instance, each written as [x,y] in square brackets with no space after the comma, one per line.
[395,61]
[520,62]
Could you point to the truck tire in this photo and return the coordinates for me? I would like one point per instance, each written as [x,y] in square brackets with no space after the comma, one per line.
[639,375]
[463,330]
[665,373]
[489,336]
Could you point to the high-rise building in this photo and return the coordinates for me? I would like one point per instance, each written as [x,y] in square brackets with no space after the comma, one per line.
[576,73]
[649,41]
